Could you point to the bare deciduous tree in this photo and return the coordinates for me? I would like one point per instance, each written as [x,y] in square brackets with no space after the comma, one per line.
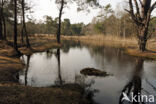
[140,11]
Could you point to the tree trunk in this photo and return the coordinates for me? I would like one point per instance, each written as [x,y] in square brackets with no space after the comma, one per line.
[59,24]
[3,21]
[143,33]
[142,44]
[142,16]
[22,33]
[1,27]
[24,25]
[4,28]
[15,26]
[59,29]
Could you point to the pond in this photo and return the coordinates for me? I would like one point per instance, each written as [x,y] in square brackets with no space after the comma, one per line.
[61,66]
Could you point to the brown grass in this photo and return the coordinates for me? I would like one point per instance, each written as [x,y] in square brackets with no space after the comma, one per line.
[10,65]
[113,41]
[16,94]
[100,40]
[8,68]
[13,93]
[130,44]
[147,54]
[40,44]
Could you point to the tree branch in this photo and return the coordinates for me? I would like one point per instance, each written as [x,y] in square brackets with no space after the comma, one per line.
[137,9]
[153,6]
[150,33]
[131,12]
[150,11]
[141,3]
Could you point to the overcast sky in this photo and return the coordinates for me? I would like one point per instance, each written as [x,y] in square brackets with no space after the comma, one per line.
[48,7]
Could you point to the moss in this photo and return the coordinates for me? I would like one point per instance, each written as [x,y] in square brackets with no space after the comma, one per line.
[94,72]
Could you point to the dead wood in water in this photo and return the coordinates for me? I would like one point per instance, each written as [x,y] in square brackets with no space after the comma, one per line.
[94,72]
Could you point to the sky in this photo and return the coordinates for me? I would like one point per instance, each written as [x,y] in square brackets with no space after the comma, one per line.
[48,7]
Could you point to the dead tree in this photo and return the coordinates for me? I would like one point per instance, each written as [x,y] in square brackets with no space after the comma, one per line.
[140,11]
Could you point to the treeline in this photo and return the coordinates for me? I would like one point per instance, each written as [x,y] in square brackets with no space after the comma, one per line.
[49,26]
[114,23]
[108,22]
[13,25]
[136,20]
[13,22]
[13,14]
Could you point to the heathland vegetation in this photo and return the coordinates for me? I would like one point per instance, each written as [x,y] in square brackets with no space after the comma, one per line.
[120,23]
[134,28]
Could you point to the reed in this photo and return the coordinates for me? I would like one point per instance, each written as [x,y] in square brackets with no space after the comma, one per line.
[112,40]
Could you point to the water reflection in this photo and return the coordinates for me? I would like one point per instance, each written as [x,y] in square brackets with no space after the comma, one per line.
[135,85]
[89,92]
[63,66]
[27,68]
[152,86]
[59,80]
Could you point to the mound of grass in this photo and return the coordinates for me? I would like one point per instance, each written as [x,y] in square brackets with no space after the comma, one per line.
[147,54]
[94,72]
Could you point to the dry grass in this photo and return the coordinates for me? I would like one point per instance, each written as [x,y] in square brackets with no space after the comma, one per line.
[40,44]
[111,41]
[10,64]
[8,68]
[13,93]
[16,94]
[147,54]
[130,44]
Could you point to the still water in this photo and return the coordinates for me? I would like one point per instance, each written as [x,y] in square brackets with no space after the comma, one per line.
[62,66]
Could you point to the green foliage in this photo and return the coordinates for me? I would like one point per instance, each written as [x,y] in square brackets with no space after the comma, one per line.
[99,27]
[66,27]
[83,5]
[106,11]
[77,29]
[152,27]
[50,25]
[108,23]
[113,25]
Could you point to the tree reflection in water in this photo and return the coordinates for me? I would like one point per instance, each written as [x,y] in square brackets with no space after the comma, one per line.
[79,80]
[88,92]
[135,85]
[59,80]
[27,68]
